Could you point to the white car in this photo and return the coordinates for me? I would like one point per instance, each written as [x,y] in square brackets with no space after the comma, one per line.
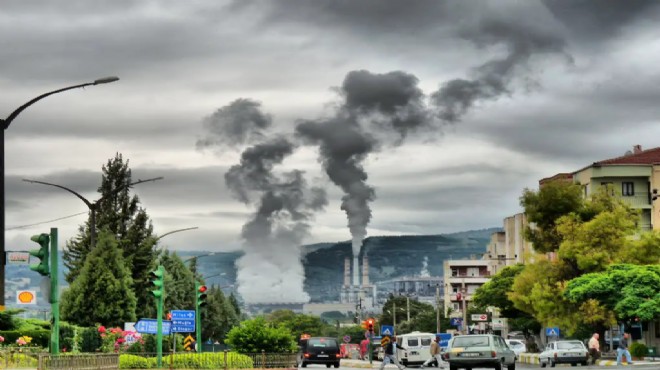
[517,346]
[564,352]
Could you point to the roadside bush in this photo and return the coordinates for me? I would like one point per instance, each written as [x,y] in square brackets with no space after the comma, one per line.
[127,361]
[40,338]
[18,360]
[90,340]
[256,335]
[639,350]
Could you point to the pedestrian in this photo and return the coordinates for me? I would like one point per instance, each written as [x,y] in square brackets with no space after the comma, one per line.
[623,349]
[435,355]
[594,348]
[390,356]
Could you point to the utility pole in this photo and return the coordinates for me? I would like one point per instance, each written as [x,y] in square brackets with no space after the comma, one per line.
[54,294]
[408,307]
[437,308]
[464,299]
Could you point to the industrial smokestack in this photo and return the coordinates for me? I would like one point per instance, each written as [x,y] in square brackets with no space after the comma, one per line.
[347,271]
[365,271]
[356,271]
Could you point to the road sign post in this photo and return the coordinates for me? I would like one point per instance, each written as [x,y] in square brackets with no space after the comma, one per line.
[54,294]
[183,321]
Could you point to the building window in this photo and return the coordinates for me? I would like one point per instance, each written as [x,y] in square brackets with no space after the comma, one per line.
[454,272]
[627,189]
[610,184]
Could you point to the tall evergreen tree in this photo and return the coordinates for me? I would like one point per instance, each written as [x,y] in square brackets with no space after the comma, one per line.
[219,315]
[179,283]
[122,215]
[102,292]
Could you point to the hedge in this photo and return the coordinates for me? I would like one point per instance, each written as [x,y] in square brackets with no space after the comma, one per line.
[18,360]
[40,338]
[188,361]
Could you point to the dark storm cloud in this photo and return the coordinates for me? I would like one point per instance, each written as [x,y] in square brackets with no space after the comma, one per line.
[235,124]
[601,20]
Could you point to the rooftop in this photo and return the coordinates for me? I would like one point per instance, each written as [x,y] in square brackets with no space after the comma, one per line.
[636,156]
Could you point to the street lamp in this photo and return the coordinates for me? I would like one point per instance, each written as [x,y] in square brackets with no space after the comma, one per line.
[4,123]
[93,207]
[174,231]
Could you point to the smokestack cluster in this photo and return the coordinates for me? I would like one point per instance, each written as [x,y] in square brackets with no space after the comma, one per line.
[365,270]
[347,272]
[375,111]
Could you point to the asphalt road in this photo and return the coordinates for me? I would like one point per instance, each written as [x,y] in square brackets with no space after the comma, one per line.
[521,366]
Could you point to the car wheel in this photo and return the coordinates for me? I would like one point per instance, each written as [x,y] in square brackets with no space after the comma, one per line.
[453,367]
[336,364]
[573,363]
[542,363]
[303,364]
[498,366]
[512,366]
[328,365]
[584,363]
[552,363]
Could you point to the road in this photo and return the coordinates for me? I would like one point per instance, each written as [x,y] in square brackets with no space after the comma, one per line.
[521,366]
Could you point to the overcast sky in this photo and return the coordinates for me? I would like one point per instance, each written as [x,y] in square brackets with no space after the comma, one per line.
[543,87]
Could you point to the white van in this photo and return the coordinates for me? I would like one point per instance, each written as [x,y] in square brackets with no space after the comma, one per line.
[417,347]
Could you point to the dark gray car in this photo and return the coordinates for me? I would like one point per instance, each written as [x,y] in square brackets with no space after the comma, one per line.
[486,350]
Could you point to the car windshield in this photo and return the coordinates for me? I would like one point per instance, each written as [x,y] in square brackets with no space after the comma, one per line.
[471,341]
[570,345]
[515,344]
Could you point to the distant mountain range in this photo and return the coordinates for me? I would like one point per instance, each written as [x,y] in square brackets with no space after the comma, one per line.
[390,257]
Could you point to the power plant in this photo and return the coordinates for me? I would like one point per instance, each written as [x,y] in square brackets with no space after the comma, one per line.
[355,292]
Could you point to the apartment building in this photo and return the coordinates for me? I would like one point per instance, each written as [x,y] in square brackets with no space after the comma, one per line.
[633,176]
[462,278]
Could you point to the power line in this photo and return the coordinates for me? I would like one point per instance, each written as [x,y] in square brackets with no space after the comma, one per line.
[44,222]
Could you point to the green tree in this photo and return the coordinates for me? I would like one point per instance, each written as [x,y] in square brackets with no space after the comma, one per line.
[234,303]
[128,222]
[631,291]
[402,303]
[102,293]
[256,335]
[219,315]
[298,323]
[179,283]
[544,207]
[495,292]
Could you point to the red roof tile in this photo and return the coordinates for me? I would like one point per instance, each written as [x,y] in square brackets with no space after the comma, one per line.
[649,156]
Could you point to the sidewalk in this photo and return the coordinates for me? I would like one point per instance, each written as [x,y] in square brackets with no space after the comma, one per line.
[533,358]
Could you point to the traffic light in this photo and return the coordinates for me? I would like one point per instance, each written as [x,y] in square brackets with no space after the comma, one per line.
[370,325]
[158,282]
[201,296]
[364,324]
[42,253]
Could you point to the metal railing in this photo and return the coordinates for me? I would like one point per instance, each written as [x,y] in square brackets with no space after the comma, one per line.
[105,361]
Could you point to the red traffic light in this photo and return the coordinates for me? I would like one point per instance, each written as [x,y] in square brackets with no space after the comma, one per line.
[202,289]
[169,316]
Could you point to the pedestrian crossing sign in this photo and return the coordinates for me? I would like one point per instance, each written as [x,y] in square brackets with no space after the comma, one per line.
[386,330]
[552,332]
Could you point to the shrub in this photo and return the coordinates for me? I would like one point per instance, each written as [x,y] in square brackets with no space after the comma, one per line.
[90,340]
[40,338]
[18,360]
[127,361]
[256,335]
[638,350]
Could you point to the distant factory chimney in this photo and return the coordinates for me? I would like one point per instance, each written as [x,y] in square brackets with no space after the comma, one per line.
[356,271]
[365,270]
[347,271]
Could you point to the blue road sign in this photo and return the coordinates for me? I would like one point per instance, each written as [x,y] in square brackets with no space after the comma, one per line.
[552,332]
[150,326]
[183,326]
[386,330]
[455,321]
[443,339]
[183,314]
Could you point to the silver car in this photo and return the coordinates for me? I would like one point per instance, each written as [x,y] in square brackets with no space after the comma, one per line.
[564,352]
[487,350]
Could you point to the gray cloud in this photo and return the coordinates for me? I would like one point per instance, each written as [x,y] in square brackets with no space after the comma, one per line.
[236,124]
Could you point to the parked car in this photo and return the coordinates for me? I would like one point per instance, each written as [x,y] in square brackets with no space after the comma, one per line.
[319,350]
[564,352]
[482,350]
[517,346]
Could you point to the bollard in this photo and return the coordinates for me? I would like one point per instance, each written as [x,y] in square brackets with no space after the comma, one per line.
[226,364]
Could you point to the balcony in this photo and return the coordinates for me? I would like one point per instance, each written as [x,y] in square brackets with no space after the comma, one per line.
[637,201]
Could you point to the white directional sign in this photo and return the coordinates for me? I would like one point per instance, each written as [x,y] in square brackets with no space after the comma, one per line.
[479,317]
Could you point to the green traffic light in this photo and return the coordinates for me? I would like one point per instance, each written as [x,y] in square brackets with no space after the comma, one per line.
[157,279]
[42,253]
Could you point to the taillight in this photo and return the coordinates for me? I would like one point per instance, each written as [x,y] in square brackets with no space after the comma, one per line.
[338,355]
[493,354]
[306,355]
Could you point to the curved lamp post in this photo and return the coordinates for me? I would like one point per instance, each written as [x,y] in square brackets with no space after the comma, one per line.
[4,123]
[174,231]
[93,206]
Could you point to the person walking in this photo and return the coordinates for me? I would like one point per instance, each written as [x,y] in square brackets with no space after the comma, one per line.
[594,348]
[435,354]
[390,356]
[623,349]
